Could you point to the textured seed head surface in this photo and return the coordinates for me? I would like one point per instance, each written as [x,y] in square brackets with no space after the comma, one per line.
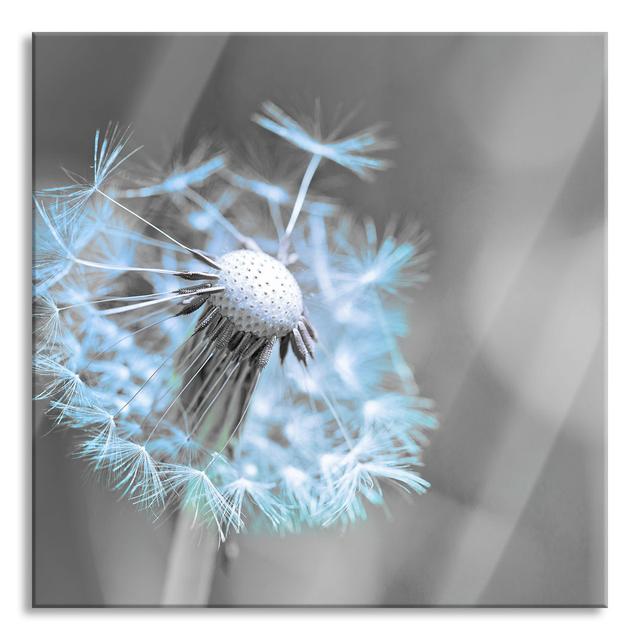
[260,294]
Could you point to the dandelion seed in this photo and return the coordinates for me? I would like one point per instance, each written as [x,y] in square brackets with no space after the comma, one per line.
[349,152]
[179,181]
[109,153]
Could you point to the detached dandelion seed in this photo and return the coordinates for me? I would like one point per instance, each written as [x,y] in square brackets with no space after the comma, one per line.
[226,345]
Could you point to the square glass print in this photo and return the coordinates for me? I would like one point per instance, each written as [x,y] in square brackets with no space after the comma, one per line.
[319,320]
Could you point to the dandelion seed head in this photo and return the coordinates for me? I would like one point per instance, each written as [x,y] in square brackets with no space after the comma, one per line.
[174,338]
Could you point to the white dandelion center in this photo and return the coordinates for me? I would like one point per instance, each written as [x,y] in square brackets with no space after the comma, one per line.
[260,294]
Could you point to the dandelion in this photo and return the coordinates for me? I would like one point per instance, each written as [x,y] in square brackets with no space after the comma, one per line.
[225,343]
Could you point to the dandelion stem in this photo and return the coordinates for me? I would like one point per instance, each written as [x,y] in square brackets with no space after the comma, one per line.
[302,193]
[195,253]
[297,207]
[191,564]
[276,217]
[145,221]
[122,267]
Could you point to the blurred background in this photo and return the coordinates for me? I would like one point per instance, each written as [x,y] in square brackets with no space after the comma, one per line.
[501,156]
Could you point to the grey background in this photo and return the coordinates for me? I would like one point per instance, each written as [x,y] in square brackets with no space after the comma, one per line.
[501,155]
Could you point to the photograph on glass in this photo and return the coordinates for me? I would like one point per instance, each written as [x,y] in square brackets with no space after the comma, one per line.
[318,320]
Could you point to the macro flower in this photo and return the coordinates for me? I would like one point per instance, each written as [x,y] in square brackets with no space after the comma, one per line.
[225,343]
